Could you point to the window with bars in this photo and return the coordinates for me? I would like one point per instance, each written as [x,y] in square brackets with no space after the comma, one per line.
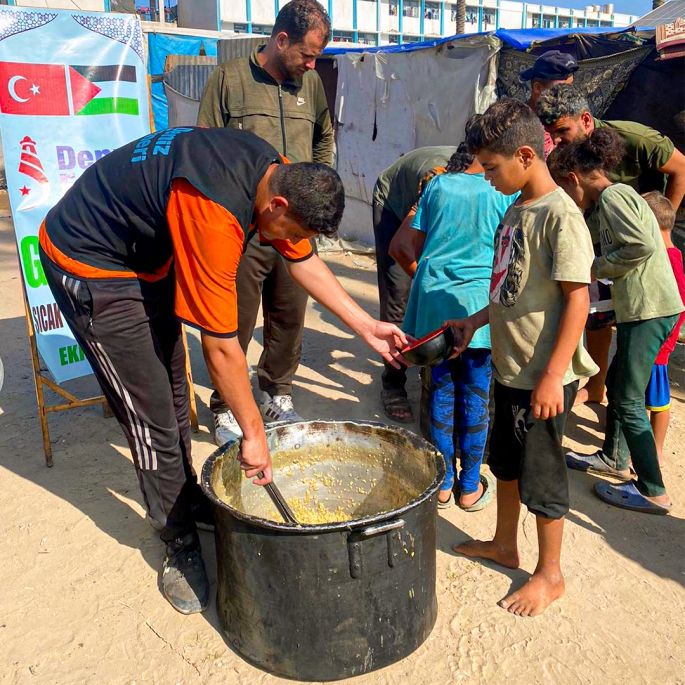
[368,39]
[343,36]
[410,9]
[262,29]
[432,11]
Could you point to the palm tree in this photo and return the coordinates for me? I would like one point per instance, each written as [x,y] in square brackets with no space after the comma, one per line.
[461,16]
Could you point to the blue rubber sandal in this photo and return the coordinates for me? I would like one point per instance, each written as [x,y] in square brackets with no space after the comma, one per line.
[627,496]
[489,490]
[592,463]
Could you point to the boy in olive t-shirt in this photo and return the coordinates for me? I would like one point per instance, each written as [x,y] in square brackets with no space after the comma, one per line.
[647,304]
[539,302]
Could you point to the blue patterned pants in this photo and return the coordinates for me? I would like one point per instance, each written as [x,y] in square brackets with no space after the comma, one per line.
[459,414]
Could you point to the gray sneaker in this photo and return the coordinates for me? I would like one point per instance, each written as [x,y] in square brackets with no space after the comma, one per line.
[278,408]
[226,428]
[184,578]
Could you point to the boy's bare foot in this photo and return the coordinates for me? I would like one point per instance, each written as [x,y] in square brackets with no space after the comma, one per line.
[536,595]
[444,496]
[590,395]
[477,549]
[471,498]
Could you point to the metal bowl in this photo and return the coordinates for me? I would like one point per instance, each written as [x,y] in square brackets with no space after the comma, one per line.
[432,349]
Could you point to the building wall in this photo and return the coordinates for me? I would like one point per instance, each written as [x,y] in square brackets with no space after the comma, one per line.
[407,20]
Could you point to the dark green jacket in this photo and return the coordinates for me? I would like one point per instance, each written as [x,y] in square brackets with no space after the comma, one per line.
[293,117]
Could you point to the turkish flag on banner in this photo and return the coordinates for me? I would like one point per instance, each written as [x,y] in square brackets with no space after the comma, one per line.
[33,89]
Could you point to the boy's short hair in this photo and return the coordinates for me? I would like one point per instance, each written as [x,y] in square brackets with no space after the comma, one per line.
[506,126]
[562,100]
[315,194]
[662,208]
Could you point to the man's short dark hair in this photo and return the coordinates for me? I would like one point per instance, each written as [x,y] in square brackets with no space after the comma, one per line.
[315,194]
[562,100]
[662,208]
[299,17]
[506,126]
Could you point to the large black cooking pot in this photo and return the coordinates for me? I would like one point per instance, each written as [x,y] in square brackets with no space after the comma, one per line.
[329,601]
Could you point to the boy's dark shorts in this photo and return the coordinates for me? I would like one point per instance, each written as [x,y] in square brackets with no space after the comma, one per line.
[529,450]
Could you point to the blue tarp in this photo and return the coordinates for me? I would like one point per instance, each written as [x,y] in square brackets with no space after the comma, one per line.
[160,45]
[521,39]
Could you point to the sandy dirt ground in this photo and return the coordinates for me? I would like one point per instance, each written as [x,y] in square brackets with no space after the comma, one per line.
[79,597]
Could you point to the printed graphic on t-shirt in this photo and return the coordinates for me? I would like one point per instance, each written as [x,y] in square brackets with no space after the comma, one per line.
[507,270]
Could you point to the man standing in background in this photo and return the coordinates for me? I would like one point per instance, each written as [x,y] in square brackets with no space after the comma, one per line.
[551,68]
[276,94]
[395,197]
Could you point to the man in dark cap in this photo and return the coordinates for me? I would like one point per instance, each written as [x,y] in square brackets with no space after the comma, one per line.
[550,68]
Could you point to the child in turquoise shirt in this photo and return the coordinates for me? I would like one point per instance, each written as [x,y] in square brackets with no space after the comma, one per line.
[457,218]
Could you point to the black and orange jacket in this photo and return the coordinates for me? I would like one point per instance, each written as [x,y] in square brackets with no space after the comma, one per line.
[183,196]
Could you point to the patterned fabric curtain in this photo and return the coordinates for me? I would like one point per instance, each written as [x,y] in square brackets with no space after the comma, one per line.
[602,78]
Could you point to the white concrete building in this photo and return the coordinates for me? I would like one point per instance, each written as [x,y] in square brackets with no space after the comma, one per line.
[379,22]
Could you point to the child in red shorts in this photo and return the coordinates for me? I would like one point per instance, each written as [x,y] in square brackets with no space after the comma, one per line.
[658,395]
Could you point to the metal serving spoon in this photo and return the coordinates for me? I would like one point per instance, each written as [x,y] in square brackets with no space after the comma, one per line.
[279,502]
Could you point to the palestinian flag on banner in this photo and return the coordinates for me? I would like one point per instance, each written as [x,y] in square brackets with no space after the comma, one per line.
[111,95]
[63,90]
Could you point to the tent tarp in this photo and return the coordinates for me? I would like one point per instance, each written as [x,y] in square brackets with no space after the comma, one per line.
[390,103]
[521,39]
[160,46]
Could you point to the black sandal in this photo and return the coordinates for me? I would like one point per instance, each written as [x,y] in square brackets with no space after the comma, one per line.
[396,400]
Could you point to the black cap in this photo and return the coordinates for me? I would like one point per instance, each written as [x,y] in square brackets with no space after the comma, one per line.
[552,65]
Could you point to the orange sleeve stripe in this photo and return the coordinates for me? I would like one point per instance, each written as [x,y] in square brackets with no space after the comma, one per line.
[75,268]
[293,252]
[208,245]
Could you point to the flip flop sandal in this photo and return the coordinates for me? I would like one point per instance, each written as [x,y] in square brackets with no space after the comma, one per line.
[489,490]
[397,400]
[593,463]
[627,496]
[448,504]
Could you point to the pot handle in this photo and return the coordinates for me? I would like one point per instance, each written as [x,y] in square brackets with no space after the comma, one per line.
[381,528]
[354,544]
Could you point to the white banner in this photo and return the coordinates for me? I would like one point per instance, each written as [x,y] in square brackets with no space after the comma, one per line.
[73,87]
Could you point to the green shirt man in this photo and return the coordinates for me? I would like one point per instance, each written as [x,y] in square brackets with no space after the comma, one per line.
[277,95]
[651,161]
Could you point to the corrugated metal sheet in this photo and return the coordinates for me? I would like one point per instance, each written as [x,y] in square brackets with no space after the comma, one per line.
[666,14]
[231,48]
[187,74]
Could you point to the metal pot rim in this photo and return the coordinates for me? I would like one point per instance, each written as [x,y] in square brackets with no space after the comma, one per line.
[349,526]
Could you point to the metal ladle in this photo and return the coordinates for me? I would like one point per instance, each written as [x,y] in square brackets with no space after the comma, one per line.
[279,502]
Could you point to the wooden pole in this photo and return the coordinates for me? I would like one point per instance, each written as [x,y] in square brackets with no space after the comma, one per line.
[38,381]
